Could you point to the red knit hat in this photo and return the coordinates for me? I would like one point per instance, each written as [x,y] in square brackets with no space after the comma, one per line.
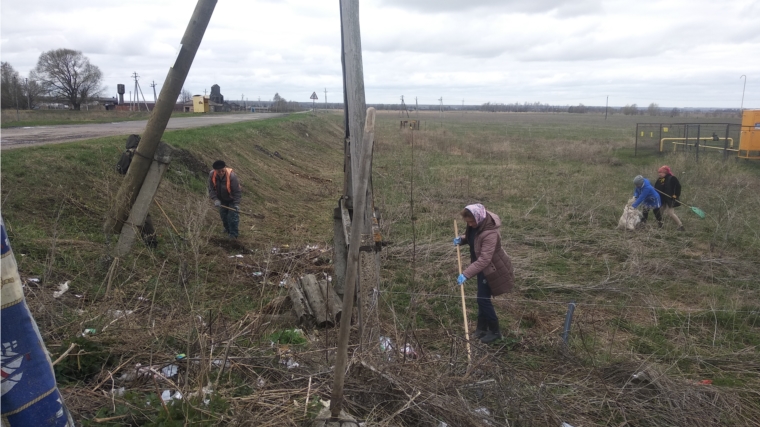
[666,170]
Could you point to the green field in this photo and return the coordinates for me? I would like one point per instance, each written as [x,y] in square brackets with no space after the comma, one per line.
[658,311]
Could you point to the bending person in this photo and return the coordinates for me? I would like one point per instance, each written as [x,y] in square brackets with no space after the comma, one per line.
[490,263]
[647,197]
[224,190]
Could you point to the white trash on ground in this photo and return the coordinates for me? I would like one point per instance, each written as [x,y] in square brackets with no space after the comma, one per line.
[630,219]
[62,288]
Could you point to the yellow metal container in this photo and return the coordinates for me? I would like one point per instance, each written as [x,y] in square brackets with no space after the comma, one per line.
[200,104]
[749,144]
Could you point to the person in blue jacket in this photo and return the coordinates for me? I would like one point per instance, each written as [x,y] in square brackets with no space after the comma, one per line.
[647,197]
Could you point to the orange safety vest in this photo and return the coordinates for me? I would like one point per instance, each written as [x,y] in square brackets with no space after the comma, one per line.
[213,181]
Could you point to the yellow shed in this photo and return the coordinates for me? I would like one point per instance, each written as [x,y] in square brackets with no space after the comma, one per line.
[749,144]
[200,104]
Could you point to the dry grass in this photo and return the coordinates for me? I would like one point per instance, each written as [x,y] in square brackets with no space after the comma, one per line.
[658,311]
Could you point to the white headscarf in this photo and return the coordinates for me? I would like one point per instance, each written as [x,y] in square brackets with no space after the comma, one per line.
[478,212]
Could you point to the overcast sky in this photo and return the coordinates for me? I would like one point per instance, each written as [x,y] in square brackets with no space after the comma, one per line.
[676,53]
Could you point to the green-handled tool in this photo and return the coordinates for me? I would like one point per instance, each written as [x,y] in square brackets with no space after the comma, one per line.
[700,213]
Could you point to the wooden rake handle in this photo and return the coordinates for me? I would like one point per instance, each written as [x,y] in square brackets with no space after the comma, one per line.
[461,292]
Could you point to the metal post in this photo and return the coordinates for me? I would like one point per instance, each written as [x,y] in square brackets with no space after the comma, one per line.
[636,144]
[686,137]
[658,141]
[15,91]
[725,142]
[568,321]
[156,126]
[696,145]
[352,267]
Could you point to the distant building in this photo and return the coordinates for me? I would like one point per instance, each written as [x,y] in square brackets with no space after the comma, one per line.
[216,96]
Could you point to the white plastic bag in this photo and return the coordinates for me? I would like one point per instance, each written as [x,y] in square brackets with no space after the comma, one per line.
[630,219]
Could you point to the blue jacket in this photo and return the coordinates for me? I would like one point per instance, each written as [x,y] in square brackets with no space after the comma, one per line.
[647,195]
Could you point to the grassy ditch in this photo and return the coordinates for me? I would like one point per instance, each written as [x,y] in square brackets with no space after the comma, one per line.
[658,311]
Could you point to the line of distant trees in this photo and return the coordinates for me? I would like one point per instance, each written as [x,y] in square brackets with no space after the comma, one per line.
[61,75]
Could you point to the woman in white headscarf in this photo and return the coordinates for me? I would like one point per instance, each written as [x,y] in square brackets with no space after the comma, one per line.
[490,264]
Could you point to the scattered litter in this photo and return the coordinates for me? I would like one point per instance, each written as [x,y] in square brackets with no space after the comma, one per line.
[565,425]
[141,371]
[385,344]
[169,371]
[257,273]
[88,331]
[180,356]
[118,314]
[167,396]
[442,424]
[142,299]
[78,295]
[290,363]
[312,247]
[62,288]
[218,363]
[33,280]
[205,392]
[409,352]
[261,383]
[705,382]
[275,250]
[482,411]
[235,256]
[119,392]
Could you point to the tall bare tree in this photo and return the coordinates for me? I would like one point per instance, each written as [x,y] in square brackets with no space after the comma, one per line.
[68,75]
[185,96]
[9,85]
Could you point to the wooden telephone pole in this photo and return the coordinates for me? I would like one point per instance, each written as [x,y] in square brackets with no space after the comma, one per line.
[157,122]
[356,220]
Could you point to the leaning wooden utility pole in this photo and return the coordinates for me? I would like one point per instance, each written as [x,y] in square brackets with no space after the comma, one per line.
[354,110]
[154,130]
[144,199]
[352,268]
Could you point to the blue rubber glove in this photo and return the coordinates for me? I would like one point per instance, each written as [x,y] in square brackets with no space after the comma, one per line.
[461,279]
[457,241]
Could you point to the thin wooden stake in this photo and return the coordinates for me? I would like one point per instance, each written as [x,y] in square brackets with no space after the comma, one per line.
[461,292]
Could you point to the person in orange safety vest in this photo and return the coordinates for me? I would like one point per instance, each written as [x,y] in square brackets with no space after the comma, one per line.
[224,190]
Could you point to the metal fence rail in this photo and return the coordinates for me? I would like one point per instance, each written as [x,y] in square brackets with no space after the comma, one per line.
[697,138]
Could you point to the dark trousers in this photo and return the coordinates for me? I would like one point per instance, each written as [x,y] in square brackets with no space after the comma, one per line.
[486,312]
[657,214]
[230,219]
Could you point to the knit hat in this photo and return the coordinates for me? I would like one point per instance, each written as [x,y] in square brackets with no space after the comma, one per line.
[666,170]
[638,181]
[478,212]
[219,164]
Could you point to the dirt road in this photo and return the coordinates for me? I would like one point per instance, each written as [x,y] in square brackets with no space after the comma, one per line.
[40,135]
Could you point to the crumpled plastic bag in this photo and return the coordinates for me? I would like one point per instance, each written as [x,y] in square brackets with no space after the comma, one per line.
[630,219]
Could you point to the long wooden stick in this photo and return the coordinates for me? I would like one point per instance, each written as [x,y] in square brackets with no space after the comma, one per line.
[255,215]
[461,292]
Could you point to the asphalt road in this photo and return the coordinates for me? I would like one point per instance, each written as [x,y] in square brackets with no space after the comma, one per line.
[40,135]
